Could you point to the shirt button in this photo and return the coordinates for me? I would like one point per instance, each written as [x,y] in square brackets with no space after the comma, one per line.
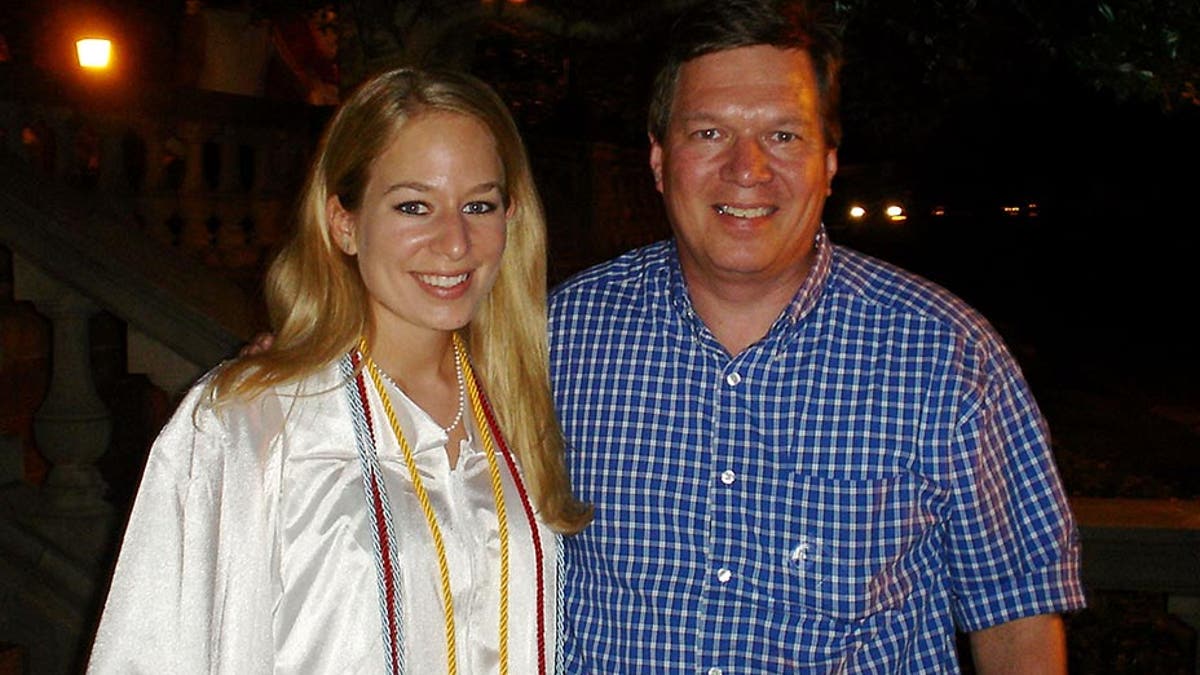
[714,671]
[724,575]
[728,476]
[733,379]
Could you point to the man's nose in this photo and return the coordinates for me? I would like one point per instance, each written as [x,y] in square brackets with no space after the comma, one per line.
[747,163]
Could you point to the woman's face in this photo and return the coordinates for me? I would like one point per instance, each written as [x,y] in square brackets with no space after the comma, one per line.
[431,226]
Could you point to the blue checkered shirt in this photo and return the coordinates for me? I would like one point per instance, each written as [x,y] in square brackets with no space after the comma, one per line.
[837,498]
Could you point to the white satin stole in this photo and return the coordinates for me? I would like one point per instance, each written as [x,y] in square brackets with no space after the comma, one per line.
[250,550]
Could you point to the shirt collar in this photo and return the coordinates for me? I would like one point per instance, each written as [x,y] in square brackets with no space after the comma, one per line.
[810,291]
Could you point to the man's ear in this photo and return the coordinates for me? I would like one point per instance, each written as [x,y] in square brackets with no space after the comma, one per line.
[341,225]
[831,167]
[656,162]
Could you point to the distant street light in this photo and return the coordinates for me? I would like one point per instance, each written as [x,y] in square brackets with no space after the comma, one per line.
[94,53]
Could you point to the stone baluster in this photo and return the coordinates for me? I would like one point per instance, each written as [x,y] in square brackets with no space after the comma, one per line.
[267,207]
[33,133]
[59,536]
[232,207]
[10,126]
[155,138]
[63,131]
[72,427]
[227,193]
[112,178]
[229,179]
[194,193]
[157,201]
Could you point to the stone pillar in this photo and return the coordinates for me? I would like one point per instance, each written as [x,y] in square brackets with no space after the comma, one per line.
[112,178]
[233,208]
[267,205]
[72,427]
[157,200]
[194,197]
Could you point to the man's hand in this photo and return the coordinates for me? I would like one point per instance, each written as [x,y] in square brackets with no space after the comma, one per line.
[261,343]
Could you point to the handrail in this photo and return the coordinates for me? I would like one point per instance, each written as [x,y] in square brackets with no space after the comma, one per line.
[1140,544]
[83,244]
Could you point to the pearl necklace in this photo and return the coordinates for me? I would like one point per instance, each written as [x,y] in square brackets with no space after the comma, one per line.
[462,390]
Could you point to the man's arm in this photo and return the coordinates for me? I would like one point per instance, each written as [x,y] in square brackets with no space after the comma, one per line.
[1034,645]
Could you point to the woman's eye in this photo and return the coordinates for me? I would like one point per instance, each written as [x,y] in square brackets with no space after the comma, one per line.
[478,208]
[413,208]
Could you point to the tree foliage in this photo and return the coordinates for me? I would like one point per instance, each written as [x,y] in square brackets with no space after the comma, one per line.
[1147,49]
[1135,49]
[911,64]
[1144,49]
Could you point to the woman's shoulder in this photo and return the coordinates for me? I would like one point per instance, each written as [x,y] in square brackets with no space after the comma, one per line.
[206,418]
[210,411]
[325,381]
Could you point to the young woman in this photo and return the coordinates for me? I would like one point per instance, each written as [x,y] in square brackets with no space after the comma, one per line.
[351,500]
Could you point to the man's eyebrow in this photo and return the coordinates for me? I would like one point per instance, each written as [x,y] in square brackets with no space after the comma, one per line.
[790,119]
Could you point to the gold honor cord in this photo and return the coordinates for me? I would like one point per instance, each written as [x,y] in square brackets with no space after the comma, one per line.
[431,517]
[497,492]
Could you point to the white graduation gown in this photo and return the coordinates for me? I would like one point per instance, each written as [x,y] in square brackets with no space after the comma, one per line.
[250,549]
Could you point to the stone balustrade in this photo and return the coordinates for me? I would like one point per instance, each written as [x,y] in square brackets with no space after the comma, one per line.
[211,175]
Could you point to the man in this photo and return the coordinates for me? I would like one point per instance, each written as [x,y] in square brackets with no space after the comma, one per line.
[801,459]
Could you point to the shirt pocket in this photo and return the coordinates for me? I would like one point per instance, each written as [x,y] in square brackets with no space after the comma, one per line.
[845,549]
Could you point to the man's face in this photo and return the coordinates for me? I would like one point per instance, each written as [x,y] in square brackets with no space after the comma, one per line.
[743,167]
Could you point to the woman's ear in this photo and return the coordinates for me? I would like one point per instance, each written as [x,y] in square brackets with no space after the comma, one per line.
[341,225]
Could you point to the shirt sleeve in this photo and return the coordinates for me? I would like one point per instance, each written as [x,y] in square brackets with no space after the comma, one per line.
[1014,545]
[192,589]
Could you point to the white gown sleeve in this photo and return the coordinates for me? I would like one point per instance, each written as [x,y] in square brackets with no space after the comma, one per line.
[195,584]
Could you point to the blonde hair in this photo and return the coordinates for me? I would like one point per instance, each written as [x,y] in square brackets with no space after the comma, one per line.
[318,303]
